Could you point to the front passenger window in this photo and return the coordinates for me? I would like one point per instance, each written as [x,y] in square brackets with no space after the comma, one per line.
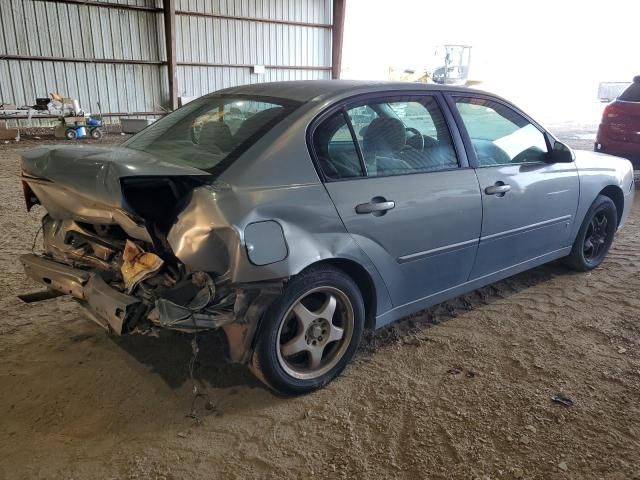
[500,135]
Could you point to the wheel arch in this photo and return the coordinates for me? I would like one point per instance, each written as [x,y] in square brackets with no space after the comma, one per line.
[614,192]
[363,280]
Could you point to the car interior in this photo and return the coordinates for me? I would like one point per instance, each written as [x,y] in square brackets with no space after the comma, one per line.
[218,134]
[388,146]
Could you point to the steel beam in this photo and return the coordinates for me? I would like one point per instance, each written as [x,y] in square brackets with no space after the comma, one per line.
[252,19]
[95,3]
[337,34]
[242,65]
[81,60]
[170,38]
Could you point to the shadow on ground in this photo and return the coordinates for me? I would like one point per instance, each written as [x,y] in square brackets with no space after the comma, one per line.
[169,354]
[408,327]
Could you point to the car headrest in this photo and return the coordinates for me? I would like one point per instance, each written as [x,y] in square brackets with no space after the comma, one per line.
[252,124]
[217,133]
[384,133]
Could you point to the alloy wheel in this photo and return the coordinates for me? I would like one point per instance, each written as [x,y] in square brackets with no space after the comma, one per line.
[596,237]
[315,333]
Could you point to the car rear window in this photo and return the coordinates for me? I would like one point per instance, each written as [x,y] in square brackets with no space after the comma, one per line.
[211,132]
[632,93]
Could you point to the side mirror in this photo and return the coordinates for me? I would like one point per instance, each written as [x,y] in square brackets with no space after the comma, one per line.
[561,153]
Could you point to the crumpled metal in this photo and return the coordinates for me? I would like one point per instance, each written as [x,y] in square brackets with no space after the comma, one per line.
[137,265]
[202,312]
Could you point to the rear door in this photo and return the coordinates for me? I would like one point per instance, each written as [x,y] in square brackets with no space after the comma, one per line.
[529,205]
[412,205]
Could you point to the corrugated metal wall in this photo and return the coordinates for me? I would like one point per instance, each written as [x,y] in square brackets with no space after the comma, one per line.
[231,46]
[49,29]
[292,38]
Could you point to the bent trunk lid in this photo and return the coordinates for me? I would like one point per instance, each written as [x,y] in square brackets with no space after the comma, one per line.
[89,184]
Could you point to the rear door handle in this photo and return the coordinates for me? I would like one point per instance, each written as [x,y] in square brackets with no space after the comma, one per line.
[377,206]
[499,189]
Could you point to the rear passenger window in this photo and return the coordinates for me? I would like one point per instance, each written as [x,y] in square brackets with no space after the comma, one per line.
[361,117]
[404,136]
[413,115]
[393,136]
[336,150]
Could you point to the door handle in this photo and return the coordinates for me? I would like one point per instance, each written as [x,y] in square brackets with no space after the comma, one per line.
[377,206]
[499,189]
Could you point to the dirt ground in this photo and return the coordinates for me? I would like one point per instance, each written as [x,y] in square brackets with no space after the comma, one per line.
[463,390]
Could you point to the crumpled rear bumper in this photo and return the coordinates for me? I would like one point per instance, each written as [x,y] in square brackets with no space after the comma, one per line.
[108,307]
[116,311]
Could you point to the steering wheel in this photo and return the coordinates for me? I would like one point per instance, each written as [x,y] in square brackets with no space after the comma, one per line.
[415,141]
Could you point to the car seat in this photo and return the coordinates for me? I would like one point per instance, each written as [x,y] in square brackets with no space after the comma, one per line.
[382,144]
[218,134]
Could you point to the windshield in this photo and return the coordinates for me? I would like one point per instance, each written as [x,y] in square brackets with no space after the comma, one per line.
[212,131]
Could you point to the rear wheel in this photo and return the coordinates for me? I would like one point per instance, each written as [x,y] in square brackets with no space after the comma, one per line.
[96,134]
[310,334]
[71,134]
[595,236]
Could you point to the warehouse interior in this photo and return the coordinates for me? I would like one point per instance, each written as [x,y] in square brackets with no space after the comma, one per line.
[536,376]
[140,58]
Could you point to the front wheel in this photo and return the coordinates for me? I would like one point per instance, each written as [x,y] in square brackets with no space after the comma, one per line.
[595,236]
[310,333]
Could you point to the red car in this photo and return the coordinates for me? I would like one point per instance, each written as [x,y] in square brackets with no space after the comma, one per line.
[619,131]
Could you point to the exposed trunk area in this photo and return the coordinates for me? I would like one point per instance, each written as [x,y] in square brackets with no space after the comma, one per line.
[109,212]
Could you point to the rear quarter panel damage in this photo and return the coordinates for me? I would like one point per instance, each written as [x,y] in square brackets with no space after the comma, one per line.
[209,234]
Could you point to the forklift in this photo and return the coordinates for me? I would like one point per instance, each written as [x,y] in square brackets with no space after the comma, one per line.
[454,61]
[450,66]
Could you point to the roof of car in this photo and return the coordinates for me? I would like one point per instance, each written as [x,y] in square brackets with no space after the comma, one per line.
[307,90]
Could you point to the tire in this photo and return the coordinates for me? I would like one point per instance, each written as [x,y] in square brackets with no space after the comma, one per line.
[71,134]
[297,349]
[96,134]
[595,236]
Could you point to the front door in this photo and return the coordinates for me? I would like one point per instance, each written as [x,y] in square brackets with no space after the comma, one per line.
[392,172]
[529,205]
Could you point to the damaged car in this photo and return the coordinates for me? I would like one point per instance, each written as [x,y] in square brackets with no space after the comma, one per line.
[294,215]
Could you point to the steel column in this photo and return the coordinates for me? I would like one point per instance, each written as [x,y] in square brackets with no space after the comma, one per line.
[337,34]
[170,38]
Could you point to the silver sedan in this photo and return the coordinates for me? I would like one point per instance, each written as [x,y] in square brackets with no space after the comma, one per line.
[294,215]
